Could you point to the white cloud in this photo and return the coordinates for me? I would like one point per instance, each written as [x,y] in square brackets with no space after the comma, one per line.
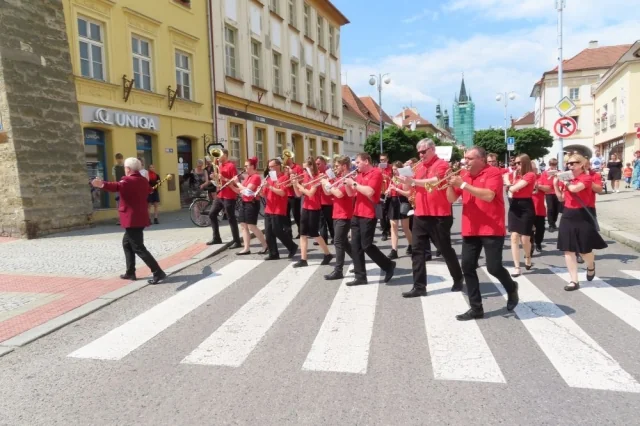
[424,14]
[492,63]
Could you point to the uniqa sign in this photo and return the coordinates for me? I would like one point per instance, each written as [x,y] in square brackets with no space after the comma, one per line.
[119,118]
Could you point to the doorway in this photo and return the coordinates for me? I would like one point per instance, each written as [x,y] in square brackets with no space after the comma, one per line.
[185,166]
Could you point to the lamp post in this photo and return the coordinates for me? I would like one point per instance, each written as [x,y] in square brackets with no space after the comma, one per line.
[560,4]
[372,81]
[506,97]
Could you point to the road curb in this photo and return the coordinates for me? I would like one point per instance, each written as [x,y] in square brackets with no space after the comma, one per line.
[623,237]
[82,311]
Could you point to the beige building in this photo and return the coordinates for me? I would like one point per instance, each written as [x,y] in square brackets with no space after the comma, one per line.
[277,78]
[617,107]
[356,121]
[527,121]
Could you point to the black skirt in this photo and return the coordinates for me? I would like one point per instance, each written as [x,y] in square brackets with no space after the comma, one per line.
[154,197]
[309,223]
[577,232]
[522,214]
[248,212]
[394,208]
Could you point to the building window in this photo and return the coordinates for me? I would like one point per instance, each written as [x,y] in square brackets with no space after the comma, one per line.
[332,47]
[280,141]
[320,31]
[325,148]
[141,62]
[96,163]
[144,149]
[260,146]
[294,81]
[322,101]
[334,106]
[574,93]
[277,77]
[91,49]
[309,87]
[336,148]
[293,15]
[183,75]
[235,141]
[255,62]
[274,6]
[312,148]
[307,20]
[230,52]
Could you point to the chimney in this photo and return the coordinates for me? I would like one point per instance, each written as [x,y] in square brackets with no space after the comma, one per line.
[593,44]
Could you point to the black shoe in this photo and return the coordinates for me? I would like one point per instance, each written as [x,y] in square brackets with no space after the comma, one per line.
[471,314]
[385,237]
[539,248]
[592,276]
[156,221]
[389,272]
[214,241]
[357,281]
[235,245]
[393,254]
[131,277]
[438,254]
[157,278]
[513,299]
[272,257]
[315,243]
[428,258]
[409,251]
[326,259]
[292,252]
[264,251]
[572,286]
[415,292]
[243,253]
[297,236]
[335,275]
[300,264]
[457,286]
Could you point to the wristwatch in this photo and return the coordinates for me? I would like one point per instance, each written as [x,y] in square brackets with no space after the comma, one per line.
[413,184]
[355,184]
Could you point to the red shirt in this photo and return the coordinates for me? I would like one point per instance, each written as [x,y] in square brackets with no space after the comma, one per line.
[325,200]
[597,179]
[276,204]
[432,203]
[253,179]
[228,170]
[311,203]
[365,207]
[387,174]
[482,218]
[570,199]
[343,207]
[295,169]
[546,180]
[527,191]
[538,201]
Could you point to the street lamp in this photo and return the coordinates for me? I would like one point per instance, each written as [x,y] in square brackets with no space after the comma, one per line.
[379,80]
[506,97]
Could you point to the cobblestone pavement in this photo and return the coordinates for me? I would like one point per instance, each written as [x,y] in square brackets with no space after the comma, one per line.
[620,210]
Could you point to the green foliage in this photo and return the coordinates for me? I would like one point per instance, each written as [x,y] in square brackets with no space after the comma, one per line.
[400,144]
[533,142]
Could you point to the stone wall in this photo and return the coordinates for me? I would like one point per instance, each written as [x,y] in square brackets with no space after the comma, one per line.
[43,179]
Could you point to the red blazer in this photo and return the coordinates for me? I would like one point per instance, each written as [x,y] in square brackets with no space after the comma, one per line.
[133,190]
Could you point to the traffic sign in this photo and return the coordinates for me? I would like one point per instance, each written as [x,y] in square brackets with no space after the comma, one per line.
[511,143]
[565,127]
[565,106]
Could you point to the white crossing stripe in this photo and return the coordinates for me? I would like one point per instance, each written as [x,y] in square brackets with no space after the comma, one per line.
[121,341]
[458,348]
[634,274]
[578,358]
[342,344]
[233,341]
[613,300]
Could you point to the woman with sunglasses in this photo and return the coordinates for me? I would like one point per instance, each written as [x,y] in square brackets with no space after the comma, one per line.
[250,207]
[577,232]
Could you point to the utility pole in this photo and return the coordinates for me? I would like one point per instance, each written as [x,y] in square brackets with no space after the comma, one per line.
[560,4]
[372,81]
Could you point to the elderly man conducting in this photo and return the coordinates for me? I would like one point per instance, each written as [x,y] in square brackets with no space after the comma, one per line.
[133,189]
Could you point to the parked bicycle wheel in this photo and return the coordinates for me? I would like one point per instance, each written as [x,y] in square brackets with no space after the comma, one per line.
[199,212]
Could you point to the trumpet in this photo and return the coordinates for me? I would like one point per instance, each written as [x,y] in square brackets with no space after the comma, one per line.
[343,178]
[168,177]
[441,183]
[229,182]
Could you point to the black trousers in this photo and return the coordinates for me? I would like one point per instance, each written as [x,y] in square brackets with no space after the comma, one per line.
[295,206]
[362,232]
[553,208]
[133,243]
[385,223]
[426,242]
[537,234]
[326,222]
[229,207]
[471,248]
[341,241]
[277,227]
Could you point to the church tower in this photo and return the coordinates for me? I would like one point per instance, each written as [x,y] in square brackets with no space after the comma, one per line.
[464,117]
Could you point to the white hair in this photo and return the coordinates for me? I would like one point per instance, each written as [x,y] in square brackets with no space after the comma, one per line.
[200,162]
[133,164]
[426,143]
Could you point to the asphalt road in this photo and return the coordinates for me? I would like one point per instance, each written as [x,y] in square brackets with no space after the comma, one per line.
[239,341]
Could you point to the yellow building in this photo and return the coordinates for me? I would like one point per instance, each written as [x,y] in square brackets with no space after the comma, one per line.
[277,78]
[617,107]
[143,81]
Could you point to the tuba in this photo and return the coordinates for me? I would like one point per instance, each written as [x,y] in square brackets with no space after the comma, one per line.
[286,155]
[215,153]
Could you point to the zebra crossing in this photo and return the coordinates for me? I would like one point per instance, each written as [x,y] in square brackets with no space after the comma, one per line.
[459,351]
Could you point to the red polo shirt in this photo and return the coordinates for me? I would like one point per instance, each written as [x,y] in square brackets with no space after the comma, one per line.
[527,191]
[276,204]
[597,179]
[387,174]
[570,199]
[364,207]
[546,180]
[343,207]
[482,218]
[538,201]
[325,200]
[296,169]
[253,179]
[228,170]
[432,203]
[311,203]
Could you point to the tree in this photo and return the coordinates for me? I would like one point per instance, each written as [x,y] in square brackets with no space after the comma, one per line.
[533,142]
[400,144]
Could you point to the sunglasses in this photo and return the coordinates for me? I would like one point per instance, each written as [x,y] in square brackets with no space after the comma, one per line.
[517,163]
[422,152]
[571,163]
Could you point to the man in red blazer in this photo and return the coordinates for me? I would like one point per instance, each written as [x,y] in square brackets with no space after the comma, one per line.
[134,217]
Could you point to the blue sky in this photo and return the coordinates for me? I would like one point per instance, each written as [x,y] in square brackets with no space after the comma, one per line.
[500,45]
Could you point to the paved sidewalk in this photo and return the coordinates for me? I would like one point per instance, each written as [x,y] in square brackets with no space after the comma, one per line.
[619,216]
[49,282]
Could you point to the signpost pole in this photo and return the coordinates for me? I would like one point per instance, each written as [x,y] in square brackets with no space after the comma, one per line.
[560,6]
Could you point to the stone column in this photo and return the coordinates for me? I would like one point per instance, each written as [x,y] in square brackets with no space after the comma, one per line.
[43,179]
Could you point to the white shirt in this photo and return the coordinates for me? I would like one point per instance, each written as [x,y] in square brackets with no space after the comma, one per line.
[144,173]
[596,163]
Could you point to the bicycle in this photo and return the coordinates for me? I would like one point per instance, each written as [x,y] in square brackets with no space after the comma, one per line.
[201,207]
